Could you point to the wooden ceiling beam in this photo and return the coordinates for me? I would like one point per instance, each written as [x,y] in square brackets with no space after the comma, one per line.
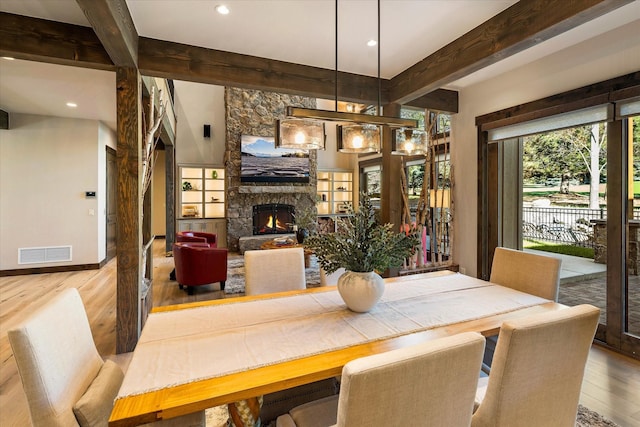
[34,39]
[439,100]
[515,29]
[114,26]
[66,44]
[171,60]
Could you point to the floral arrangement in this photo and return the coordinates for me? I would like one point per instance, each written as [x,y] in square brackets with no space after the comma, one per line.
[361,243]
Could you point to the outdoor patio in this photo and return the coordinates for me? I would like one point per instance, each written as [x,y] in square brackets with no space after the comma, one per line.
[583,281]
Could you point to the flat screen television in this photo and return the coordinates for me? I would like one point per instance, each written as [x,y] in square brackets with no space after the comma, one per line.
[261,161]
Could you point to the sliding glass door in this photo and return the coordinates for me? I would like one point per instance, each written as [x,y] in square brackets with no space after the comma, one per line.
[569,187]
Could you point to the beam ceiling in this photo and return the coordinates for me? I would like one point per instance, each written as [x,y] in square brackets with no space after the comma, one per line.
[521,26]
[114,26]
[514,30]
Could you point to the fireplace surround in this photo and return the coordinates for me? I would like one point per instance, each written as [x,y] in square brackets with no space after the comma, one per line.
[252,112]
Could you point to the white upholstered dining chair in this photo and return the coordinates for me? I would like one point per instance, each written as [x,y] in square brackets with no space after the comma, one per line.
[427,384]
[64,378]
[534,274]
[537,370]
[274,270]
[527,272]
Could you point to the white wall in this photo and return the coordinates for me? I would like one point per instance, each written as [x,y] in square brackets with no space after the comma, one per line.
[606,56]
[330,158]
[197,104]
[46,166]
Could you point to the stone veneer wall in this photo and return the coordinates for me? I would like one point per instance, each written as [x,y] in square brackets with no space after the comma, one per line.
[253,112]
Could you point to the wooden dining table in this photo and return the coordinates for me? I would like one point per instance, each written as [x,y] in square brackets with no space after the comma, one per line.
[199,355]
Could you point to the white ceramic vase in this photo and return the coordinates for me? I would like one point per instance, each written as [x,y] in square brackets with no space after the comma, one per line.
[360,291]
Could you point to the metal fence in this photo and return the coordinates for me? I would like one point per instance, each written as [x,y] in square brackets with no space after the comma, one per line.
[564,225]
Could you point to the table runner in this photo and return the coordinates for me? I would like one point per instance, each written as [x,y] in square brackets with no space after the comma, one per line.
[182,346]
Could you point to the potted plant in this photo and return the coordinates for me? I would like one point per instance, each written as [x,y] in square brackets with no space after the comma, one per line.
[364,248]
[305,223]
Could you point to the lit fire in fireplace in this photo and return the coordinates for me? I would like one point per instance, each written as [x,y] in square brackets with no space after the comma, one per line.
[273,218]
[278,225]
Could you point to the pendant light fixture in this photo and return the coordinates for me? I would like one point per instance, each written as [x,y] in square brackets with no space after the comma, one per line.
[411,142]
[302,134]
[357,133]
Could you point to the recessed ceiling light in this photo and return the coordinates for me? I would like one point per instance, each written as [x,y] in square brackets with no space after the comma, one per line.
[8,58]
[222,9]
[372,43]
[72,104]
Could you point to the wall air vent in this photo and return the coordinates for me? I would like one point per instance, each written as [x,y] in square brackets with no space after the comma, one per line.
[45,254]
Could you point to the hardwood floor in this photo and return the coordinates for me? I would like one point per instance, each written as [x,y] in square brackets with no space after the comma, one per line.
[611,386]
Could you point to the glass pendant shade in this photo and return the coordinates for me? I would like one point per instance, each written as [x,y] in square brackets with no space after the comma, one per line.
[359,138]
[411,142]
[303,134]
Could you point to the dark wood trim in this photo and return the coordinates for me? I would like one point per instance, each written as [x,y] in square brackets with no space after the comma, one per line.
[57,269]
[521,26]
[40,40]
[4,120]
[618,88]
[390,195]
[114,26]
[483,202]
[617,226]
[129,235]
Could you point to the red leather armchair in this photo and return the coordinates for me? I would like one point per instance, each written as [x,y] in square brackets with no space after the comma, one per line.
[194,237]
[197,236]
[199,264]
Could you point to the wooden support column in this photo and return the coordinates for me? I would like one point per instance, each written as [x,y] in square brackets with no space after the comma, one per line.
[390,197]
[170,179]
[129,235]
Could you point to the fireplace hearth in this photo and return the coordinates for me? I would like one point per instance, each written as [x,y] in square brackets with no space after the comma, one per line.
[273,218]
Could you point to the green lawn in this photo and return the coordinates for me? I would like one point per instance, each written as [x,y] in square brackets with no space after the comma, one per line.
[559,248]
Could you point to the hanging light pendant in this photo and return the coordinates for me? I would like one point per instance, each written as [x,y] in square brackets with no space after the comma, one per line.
[362,134]
[303,134]
[359,138]
[411,142]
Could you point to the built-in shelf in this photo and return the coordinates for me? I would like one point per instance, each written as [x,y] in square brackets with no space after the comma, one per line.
[202,192]
[334,192]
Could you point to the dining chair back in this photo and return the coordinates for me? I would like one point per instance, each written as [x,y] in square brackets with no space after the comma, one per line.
[274,270]
[527,272]
[537,370]
[58,361]
[65,380]
[523,271]
[433,383]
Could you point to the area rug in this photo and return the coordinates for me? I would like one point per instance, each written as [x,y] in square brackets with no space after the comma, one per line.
[217,417]
[235,275]
[587,417]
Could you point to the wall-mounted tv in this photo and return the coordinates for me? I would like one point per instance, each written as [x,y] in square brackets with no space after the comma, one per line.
[261,161]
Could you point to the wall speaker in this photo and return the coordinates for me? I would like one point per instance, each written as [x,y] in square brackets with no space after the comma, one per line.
[207,131]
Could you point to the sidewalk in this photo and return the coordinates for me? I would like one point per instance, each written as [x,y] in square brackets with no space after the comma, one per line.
[575,268]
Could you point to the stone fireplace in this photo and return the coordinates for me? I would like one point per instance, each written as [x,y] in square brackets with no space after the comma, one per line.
[253,112]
